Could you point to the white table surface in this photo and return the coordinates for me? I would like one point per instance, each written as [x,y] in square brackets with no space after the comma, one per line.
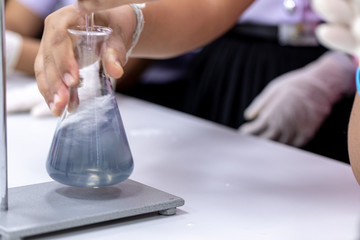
[234,186]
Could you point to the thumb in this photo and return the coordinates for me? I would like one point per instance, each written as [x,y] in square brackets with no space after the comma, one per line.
[259,103]
[112,65]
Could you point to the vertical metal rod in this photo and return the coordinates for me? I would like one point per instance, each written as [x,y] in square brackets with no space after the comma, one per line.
[3,127]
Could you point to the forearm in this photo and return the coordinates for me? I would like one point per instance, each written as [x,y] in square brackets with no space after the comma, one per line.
[27,56]
[171,29]
[22,20]
[354,138]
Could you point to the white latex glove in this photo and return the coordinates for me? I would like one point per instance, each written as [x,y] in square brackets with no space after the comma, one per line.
[342,30]
[293,106]
[13,43]
[27,99]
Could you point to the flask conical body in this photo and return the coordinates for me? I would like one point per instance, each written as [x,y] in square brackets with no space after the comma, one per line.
[90,147]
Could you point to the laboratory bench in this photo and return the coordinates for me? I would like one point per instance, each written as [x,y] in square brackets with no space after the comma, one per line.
[234,186]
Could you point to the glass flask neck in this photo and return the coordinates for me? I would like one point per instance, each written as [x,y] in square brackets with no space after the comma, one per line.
[89,42]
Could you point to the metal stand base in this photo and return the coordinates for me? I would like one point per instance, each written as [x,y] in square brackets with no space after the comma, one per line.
[49,207]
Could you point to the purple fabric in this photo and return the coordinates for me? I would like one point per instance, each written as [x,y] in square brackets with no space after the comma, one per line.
[273,12]
[42,8]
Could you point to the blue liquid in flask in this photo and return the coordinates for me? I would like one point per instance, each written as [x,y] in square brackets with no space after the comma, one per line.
[90,147]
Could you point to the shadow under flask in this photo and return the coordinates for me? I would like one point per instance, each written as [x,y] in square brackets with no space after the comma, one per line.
[90,147]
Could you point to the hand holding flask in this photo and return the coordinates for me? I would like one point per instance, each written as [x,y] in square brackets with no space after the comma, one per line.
[90,147]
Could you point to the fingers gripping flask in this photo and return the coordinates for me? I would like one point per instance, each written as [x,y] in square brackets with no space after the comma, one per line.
[90,147]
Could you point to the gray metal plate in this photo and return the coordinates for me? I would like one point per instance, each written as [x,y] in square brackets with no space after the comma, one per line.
[49,207]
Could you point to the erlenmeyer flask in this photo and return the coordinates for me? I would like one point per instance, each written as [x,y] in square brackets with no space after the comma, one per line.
[90,148]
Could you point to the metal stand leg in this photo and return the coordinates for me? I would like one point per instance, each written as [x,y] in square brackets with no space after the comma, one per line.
[6,237]
[3,142]
[168,212]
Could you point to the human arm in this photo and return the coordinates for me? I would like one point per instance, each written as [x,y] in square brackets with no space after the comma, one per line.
[89,6]
[22,49]
[354,138]
[174,27]
[29,50]
[171,28]
[20,19]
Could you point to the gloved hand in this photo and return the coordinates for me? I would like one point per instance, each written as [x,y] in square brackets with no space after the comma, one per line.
[342,30]
[13,49]
[27,99]
[293,106]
